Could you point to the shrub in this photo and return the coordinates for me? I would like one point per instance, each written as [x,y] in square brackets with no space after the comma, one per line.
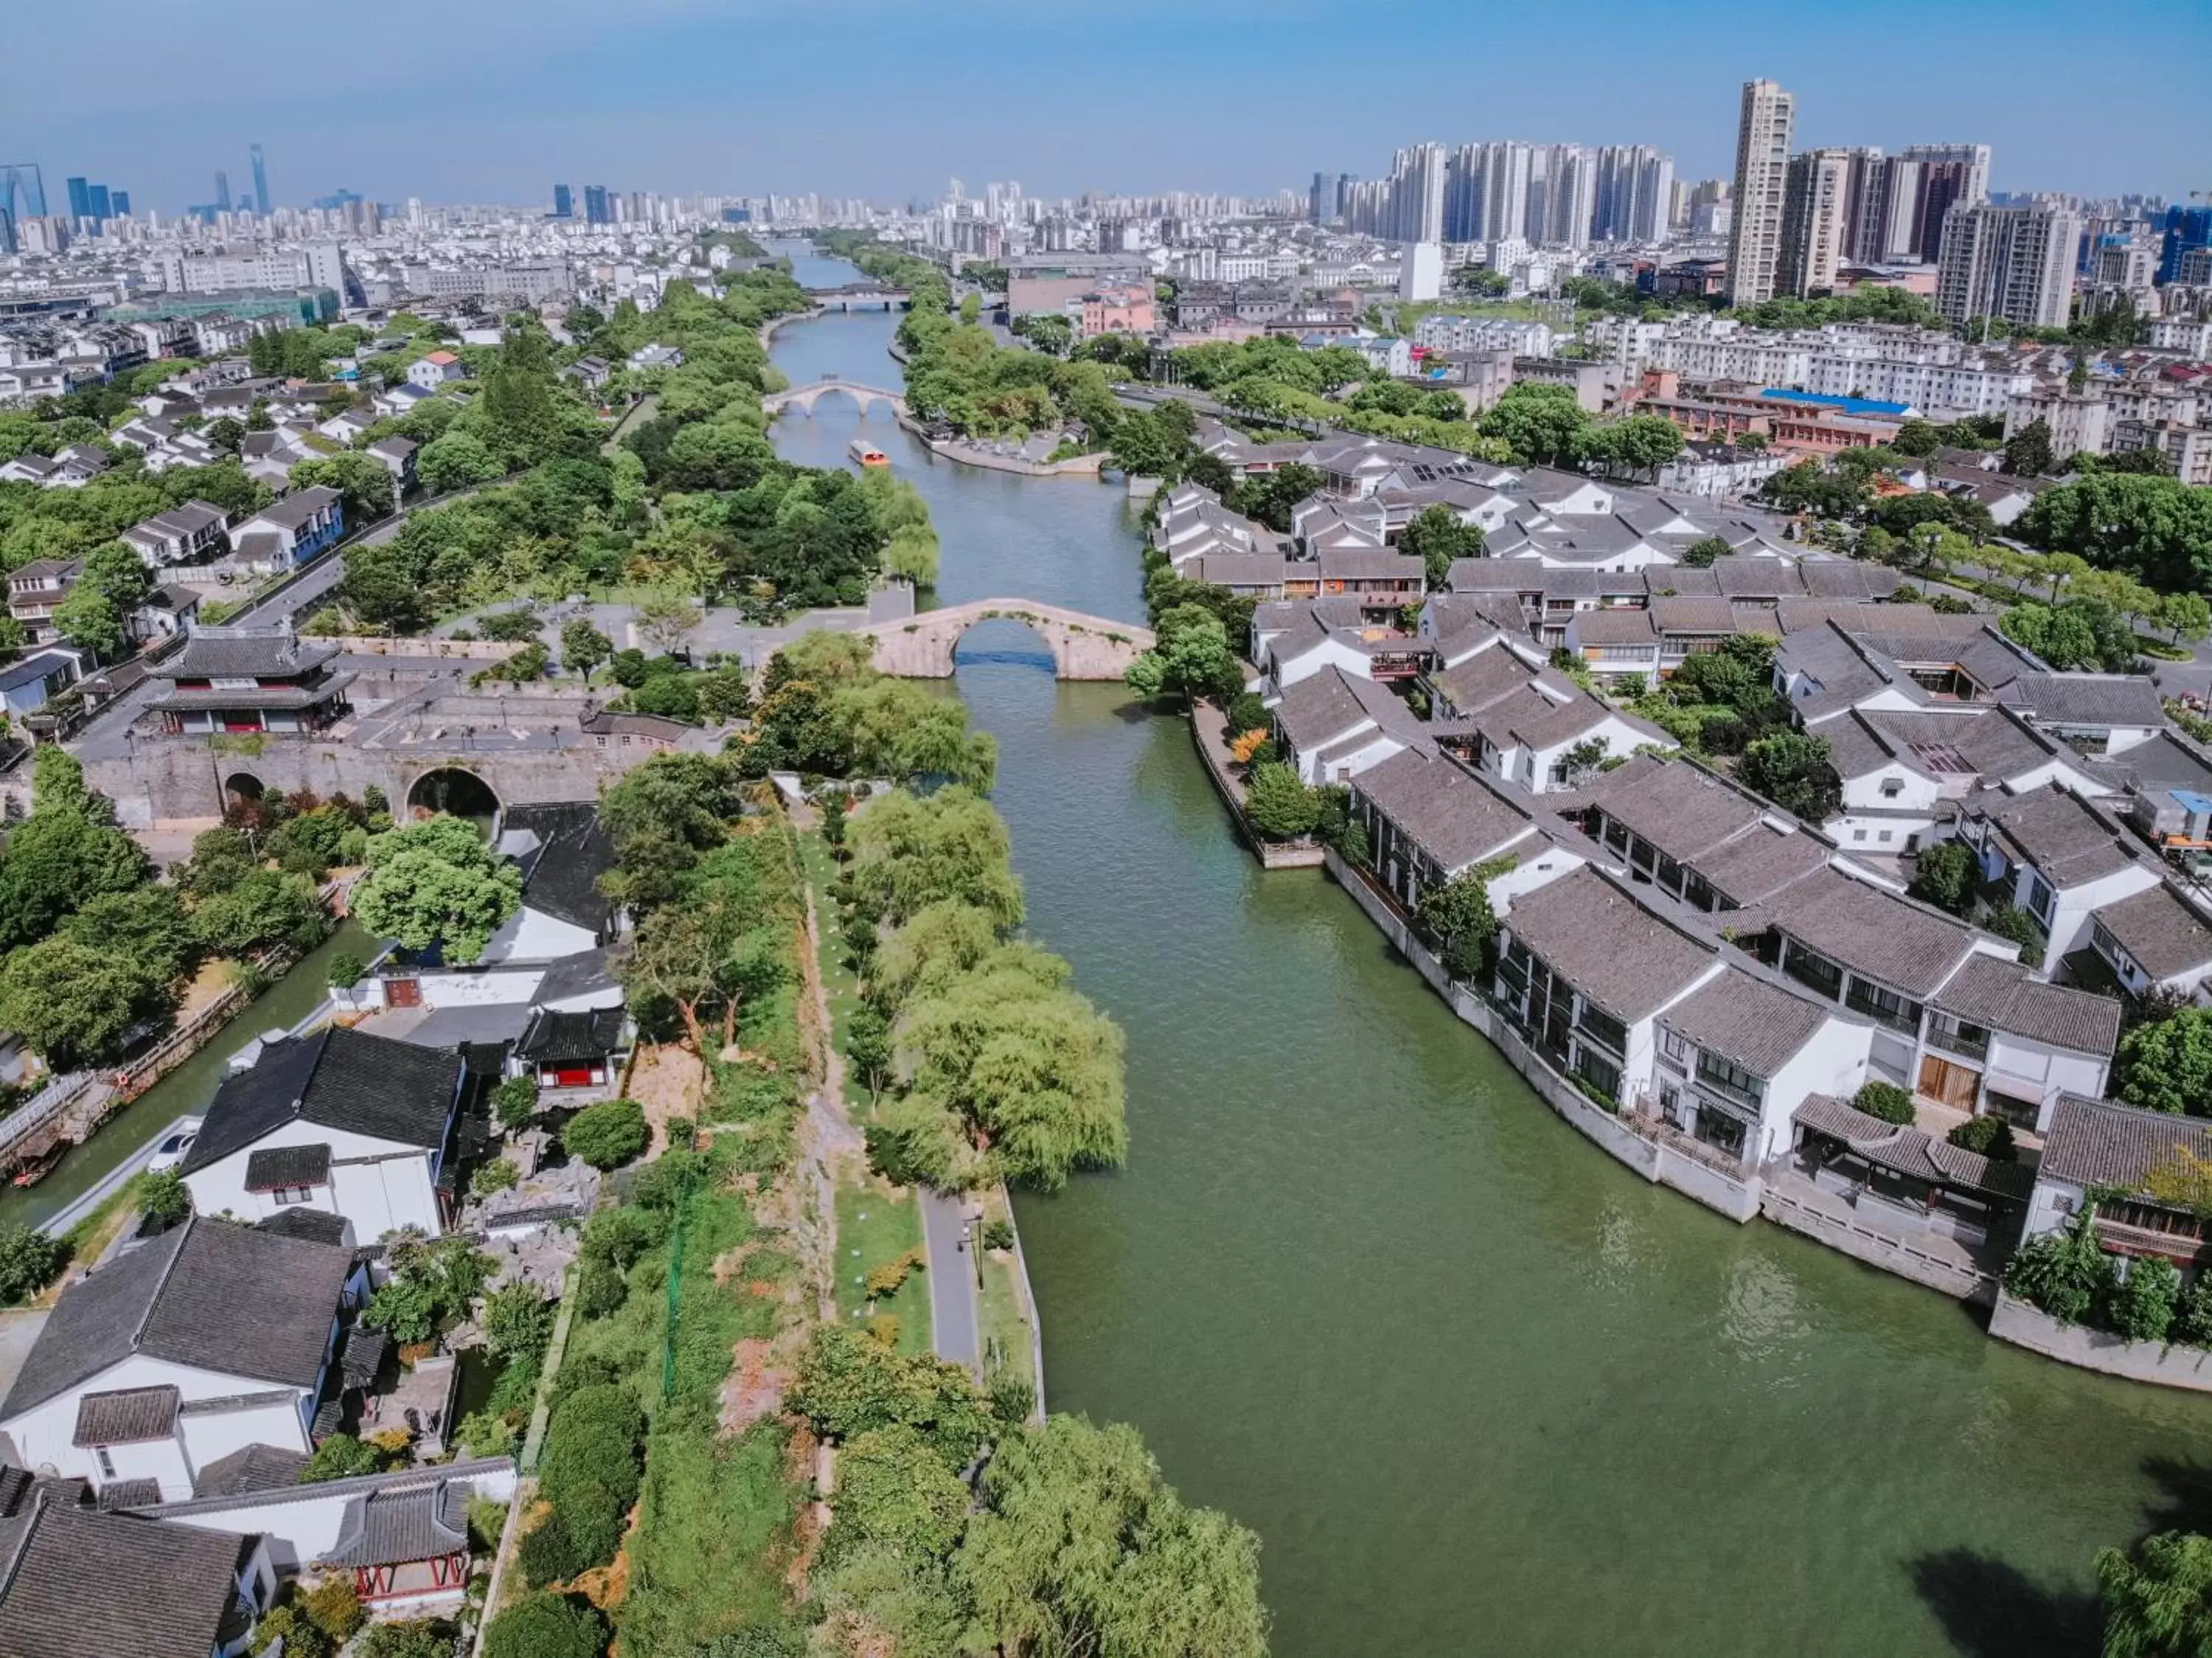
[334,1607]
[607,1135]
[1012,1400]
[884,1327]
[547,1554]
[998,1234]
[342,1456]
[1990,1135]
[514,1101]
[164,1197]
[885,1282]
[592,1468]
[2065,1273]
[2193,1319]
[1886,1100]
[1247,712]
[547,1626]
[1943,876]
[498,1175]
[418,1637]
[518,1321]
[2140,1307]
[344,970]
[2016,924]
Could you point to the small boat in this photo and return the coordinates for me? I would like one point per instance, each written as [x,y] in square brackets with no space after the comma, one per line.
[867,453]
[31,1170]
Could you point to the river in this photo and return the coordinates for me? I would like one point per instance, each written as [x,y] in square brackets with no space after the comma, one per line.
[1477,1388]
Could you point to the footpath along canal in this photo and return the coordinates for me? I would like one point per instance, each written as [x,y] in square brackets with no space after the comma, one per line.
[1477,1388]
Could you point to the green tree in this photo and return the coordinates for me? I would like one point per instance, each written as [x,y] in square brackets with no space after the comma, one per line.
[607,1135]
[1700,555]
[437,882]
[2067,1274]
[1437,539]
[263,907]
[1916,438]
[515,1101]
[1194,658]
[457,460]
[29,1261]
[2027,451]
[361,480]
[163,1195]
[910,852]
[2011,921]
[1644,443]
[547,1626]
[2140,1307]
[868,1048]
[1544,425]
[344,970]
[417,1638]
[1081,1546]
[342,1456]
[2158,1598]
[1944,876]
[148,924]
[72,1003]
[2163,1064]
[1277,804]
[1793,770]
[517,1320]
[1457,917]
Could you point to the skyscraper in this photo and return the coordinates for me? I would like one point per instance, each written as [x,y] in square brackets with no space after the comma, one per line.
[1762,178]
[1635,194]
[2183,230]
[2016,263]
[221,190]
[596,211]
[263,202]
[79,199]
[23,190]
[1814,195]
[96,197]
[1947,176]
[119,203]
[1417,194]
[564,203]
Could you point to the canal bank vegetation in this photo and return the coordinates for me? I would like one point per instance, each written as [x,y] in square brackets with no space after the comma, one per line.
[993,1068]
[1068,1541]
[826,711]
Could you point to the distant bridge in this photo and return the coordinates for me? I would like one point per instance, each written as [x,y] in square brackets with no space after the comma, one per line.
[804,398]
[861,296]
[1083,646]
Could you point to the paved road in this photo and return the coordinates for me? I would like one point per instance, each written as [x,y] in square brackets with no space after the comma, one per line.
[955,1318]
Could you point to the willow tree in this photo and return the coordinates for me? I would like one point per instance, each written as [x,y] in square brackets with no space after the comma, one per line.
[938,943]
[909,852]
[1028,1069]
[1081,1546]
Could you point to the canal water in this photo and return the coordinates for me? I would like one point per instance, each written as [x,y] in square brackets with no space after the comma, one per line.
[1478,1389]
[186,1091]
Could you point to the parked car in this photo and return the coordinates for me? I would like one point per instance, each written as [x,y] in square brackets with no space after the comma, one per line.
[173,1146]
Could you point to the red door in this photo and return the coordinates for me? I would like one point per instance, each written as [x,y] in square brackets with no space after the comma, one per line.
[402,993]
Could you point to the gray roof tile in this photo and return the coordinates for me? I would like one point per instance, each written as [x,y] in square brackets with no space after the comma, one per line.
[1614,951]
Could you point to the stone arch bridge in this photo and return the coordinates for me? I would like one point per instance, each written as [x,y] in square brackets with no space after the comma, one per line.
[804,398]
[1083,646]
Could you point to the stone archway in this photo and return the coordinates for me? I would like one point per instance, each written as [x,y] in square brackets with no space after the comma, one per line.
[454,790]
[244,789]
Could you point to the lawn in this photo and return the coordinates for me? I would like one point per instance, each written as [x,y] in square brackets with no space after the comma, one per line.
[875,1226]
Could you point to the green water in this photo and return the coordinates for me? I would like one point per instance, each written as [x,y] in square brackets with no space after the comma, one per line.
[186,1091]
[1478,1389]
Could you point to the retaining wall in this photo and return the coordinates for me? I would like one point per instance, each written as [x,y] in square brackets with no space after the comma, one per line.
[1877,1250]
[2026,1326]
[1738,1199]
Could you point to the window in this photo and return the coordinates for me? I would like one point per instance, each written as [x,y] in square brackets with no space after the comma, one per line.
[1885,1006]
[1858,834]
[1730,1079]
[1672,1045]
[292,1194]
[2038,898]
[1885,837]
[1891,786]
[1816,971]
[1603,1028]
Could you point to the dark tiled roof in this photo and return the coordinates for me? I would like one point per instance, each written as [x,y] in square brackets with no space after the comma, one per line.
[1873,932]
[2163,933]
[2126,699]
[1911,1151]
[2069,841]
[1482,679]
[299,1221]
[126,1417]
[1442,810]
[554,1037]
[1609,947]
[229,1298]
[250,1468]
[272,1167]
[561,877]
[336,1078]
[392,1528]
[129,1493]
[224,653]
[294,510]
[2003,996]
[1755,867]
[1680,809]
[86,1583]
[2103,1142]
[1747,1021]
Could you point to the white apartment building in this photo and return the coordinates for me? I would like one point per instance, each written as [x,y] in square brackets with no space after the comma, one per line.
[1762,169]
[2016,263]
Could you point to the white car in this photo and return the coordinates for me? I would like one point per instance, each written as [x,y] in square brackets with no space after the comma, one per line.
[173,1146]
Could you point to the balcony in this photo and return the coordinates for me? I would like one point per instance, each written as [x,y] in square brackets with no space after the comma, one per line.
[1748,1099]
[1962,1042]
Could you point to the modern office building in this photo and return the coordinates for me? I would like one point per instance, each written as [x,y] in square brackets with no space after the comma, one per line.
[596,208]
[2016,263]
[2186,230]
[221,190]
[263,202]
[79,199]
[1762,180]
[564,202]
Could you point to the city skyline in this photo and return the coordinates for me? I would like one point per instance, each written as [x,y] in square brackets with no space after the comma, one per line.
[651,100]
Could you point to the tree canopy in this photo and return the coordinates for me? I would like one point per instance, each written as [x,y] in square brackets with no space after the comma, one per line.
[437,884]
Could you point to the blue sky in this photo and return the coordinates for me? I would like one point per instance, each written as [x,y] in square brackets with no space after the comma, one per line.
[492,100]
